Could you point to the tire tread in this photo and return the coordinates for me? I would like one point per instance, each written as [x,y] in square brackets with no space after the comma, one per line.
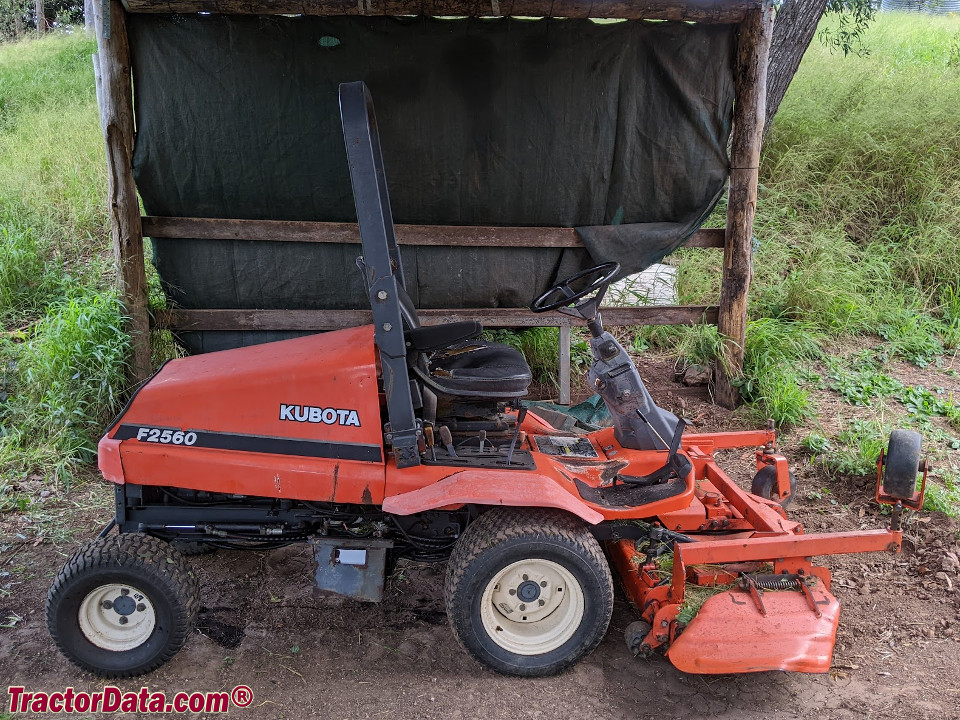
[503,524]
[156,558]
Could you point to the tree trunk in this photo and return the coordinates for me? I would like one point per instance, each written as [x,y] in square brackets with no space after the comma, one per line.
[793,31]
[42,25]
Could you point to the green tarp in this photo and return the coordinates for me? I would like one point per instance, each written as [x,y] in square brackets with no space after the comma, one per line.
[619,130]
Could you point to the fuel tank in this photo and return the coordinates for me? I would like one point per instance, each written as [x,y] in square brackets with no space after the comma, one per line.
[291,419]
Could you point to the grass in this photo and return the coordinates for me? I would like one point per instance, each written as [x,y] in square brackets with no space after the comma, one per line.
[61,341]
[857,218]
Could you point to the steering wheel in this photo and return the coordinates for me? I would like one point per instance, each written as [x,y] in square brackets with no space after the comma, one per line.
[596,279]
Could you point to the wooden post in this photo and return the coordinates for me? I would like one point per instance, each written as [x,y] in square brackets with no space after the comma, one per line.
[564,393]
[753,49]
[115,95]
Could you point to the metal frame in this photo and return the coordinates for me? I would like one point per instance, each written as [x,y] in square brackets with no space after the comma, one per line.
[383,270]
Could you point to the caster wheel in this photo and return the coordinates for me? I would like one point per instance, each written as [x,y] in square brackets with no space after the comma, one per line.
[634,636]
[765,485]
[902,464]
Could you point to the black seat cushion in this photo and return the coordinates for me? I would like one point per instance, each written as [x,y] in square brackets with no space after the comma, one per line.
[477,369]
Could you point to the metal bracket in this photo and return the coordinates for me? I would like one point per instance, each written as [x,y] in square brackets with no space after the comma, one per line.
[747,583]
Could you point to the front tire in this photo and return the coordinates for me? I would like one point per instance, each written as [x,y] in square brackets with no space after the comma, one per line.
[528,592]
[122,605]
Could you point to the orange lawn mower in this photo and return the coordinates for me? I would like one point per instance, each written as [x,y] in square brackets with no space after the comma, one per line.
[398,440]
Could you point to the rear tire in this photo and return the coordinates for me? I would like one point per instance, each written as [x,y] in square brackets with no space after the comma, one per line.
[902,464]
[122,605]
[528,592]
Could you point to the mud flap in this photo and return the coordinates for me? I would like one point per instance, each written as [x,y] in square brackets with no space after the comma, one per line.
[733,633]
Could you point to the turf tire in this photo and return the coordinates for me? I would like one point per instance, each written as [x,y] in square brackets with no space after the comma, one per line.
[150,565]
[504,536]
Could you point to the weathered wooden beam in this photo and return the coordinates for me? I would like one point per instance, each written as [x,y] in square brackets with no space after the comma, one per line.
[753,49]
[329,232]
[115,94]
[321,320]
[707,11]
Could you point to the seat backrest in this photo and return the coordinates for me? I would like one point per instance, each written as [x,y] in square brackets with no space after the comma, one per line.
[382,270]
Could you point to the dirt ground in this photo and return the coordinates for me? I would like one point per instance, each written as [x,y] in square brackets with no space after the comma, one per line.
[898,650]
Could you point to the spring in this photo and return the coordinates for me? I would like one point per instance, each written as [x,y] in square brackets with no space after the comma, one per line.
[774,582]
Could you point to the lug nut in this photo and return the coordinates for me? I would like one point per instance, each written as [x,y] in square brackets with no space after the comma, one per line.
[141,607]
[107,605]
[543,583]
[542,602]
[523,607]
[512,591]
[123,620]
[124,591]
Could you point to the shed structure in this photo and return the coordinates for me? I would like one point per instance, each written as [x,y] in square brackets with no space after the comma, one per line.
[522,150]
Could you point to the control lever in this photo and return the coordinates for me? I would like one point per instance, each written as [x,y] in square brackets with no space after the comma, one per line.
[521,416]
[654,430]
[447,440]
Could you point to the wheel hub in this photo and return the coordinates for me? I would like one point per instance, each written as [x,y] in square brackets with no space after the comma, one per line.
[117,617]
[528,591]
[532,606]
[124,605]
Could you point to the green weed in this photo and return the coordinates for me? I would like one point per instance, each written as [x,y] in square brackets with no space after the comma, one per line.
[856,448]
[772,353]
[67,380]
[943,492]
[862,383]
[816,444]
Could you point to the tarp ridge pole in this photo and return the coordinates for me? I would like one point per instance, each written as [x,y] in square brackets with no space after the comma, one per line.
[112,65]
[753,50]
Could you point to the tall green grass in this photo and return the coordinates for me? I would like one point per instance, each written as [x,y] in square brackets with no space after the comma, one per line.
[858,216]
[859,209]
[52,160]
[62,345]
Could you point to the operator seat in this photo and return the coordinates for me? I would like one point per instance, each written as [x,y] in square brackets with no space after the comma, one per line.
[450,359]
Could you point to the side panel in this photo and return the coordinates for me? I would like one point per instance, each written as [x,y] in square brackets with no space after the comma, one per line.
[297,418]
[244,473]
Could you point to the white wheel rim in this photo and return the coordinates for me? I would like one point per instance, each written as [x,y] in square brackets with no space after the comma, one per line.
[532,607]
[117,617]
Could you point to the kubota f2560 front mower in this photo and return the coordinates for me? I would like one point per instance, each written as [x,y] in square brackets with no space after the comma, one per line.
[398,440]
